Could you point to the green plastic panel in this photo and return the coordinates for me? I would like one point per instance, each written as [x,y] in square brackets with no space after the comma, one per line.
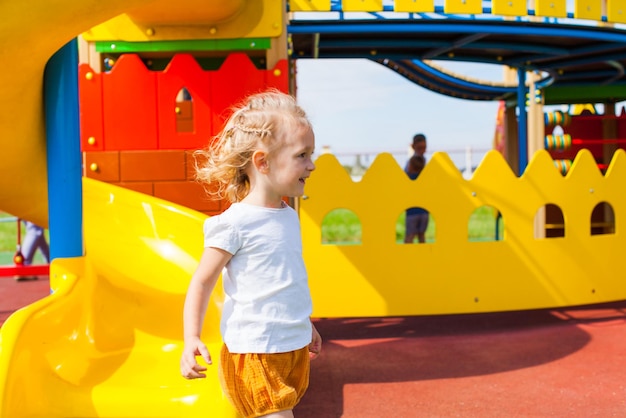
[119,47]
[585,94]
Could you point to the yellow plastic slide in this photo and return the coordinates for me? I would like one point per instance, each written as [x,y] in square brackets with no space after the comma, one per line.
[107,342]
[30,33]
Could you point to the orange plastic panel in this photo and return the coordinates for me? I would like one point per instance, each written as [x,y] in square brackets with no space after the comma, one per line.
[509,7]
[187,193]
[463,6]
[145,187]
[90,96]
[190,161]
[414,6]
[183,71]
[102,166]
[152,165]
[129,93]
[362,5]
[616,11]
[588,9]
[550,8]
[309,5]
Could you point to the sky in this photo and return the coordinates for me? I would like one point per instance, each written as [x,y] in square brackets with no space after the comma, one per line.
[361,106]
[357,105]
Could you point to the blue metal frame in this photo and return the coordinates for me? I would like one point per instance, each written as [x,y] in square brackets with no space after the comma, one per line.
[391,26]
[461,82]
[522,121]
[65,200]
[427,76]
[462,88]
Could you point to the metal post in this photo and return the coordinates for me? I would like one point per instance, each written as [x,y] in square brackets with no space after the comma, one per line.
[65,199]
[522,121]
[468,162]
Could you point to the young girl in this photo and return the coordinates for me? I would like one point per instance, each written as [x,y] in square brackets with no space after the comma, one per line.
[263,154]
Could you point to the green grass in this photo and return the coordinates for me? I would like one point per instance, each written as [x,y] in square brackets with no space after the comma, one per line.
[342,226]
[8,240]
[482,225]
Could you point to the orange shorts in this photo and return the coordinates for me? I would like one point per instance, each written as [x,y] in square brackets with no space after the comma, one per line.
[260,384]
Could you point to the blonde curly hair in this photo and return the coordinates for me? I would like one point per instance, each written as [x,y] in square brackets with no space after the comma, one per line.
[262,121]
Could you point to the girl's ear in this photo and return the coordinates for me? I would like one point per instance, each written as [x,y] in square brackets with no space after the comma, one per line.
[259,159]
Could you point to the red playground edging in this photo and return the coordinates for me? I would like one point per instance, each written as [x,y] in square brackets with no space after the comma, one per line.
[32,270]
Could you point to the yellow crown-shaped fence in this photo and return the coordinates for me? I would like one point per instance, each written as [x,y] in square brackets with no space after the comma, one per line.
[380,277]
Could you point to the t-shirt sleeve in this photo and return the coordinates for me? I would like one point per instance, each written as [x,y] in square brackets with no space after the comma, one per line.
[221,234]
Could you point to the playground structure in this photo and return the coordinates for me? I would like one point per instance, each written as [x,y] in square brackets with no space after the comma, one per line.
[115,306]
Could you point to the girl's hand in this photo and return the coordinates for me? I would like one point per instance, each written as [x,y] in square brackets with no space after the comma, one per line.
[315,347]
[189,367]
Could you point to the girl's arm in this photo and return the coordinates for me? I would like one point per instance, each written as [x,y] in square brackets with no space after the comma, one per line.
[315,348]
[201,286]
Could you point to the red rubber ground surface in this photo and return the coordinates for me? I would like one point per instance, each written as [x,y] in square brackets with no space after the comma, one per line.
[14,294]
[548,363]
[544,363]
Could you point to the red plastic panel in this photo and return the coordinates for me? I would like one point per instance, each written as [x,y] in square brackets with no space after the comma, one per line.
[278,77]
[589,129]
[133,108]
[129,105]
[183,71]
[90,96]
[621,126]
[236,79]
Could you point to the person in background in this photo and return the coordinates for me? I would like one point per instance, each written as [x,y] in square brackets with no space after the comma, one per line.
[34,240]
[263,155]
[416,218]
[419,145]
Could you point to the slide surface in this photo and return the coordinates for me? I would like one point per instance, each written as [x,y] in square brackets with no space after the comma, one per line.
[107,342]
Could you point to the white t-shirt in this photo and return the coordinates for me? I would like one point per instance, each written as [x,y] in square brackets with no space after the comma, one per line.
[267,302]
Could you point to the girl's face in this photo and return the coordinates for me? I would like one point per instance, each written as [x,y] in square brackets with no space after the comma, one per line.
[292,163]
